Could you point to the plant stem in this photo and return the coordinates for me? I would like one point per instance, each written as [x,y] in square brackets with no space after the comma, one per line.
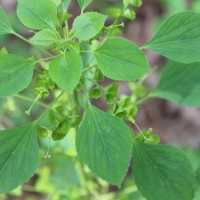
[27,41]
[19,96]
[110,32]
[86,51]
[95,83]
[139,130]
[142,100]
[137,127]
[49,58]
[34,102]
[50,107]
[87,68]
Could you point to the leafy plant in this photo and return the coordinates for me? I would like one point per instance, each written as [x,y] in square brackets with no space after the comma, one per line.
[70,65]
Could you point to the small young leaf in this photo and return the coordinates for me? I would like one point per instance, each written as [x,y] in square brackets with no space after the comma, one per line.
[5,27]
[133,111]
[114,12]
[113,89]
[180,83]
[73,46]
[178,38]
[65,4]
[129,14]
[95,93]
[126,3]
[163,172]
[136,3]
[44,37]
[65,17]
[126,102]
[37,15]
[110,99]
[3,51]
[65,70]
[84,3]
[121,115]
[98,75]
[120,59]
[42,132]
[147,136]
[87,25]
[61,130]
[15,74]
[111,93]
[104,144]
[19,156]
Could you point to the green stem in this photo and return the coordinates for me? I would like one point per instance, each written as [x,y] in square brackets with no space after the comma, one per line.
[34,102]
[139,130]
[110,32]
[27,41]
[95,83]
[50,107]
[56,32]
[44,59]
[86,95]
[30,100]
[86,51]
[87,68]
[142,100]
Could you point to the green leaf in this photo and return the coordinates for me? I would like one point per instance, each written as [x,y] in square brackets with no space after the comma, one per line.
[129,14]
[136,3]
[163,172]
[120,59]
[15,74]
[178,38]
[95,93]
[64,170]
[147,136]
[73,46]
[84,3]
[5,27]
[87,55]
[19,156]
[126,3]
[113,89]
[61,130]
[111,93]
[110,99]
[65,70]
[180,83]
[197,194]
[98,75]
[114,12]
[40,15]
[104,144]
[3,51]
[136,195]
[65,4]
[44,37]
[193,155]
[60,174]
[87,25]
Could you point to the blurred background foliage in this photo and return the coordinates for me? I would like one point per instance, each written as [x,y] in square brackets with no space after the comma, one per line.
[62,176]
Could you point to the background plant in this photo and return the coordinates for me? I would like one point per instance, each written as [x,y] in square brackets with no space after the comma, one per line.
[71,70]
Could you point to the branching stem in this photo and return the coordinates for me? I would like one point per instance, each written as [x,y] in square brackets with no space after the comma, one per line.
[27,41]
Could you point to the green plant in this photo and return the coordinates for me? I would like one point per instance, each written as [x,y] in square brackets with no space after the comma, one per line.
[72,68]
